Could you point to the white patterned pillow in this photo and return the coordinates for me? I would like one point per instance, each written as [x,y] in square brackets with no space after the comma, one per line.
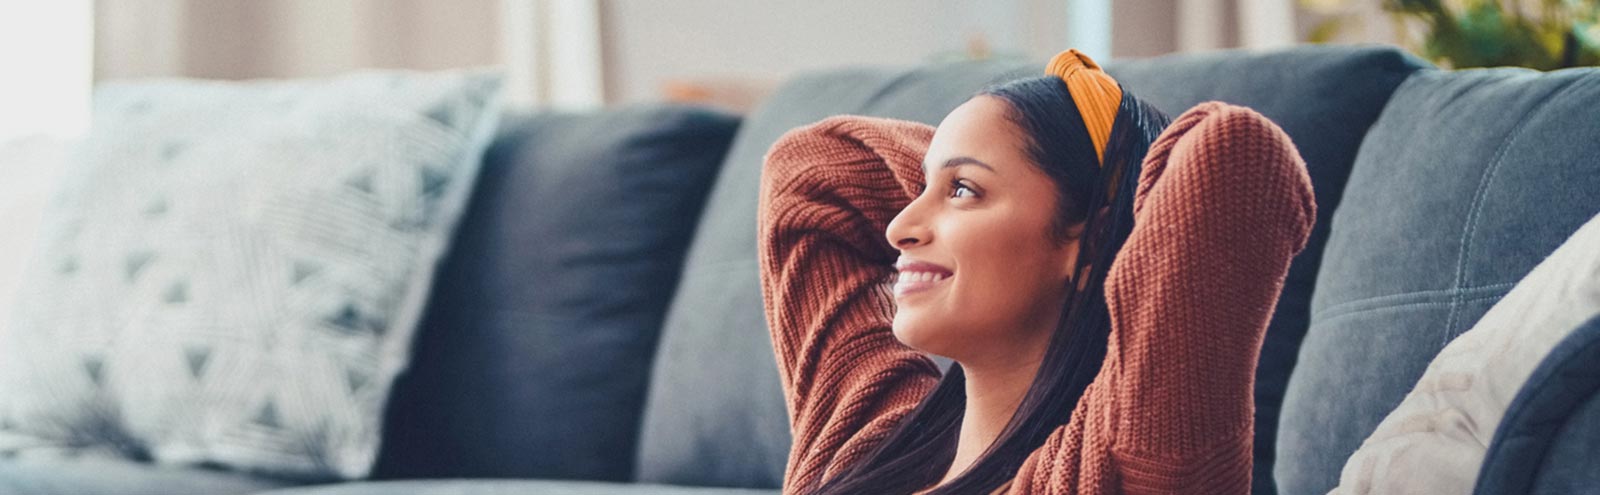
[28,168]
[233,271]
[1435,440]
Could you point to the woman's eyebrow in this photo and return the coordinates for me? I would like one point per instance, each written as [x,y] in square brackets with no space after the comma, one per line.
[959,161]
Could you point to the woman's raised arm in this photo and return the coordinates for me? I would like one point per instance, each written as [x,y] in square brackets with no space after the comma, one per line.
[1224,204]
[828,191]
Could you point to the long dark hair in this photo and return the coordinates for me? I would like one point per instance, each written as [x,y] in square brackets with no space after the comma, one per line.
[919,451]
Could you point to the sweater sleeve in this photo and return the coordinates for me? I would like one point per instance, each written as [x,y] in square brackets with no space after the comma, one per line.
[1224,203]
[828,191]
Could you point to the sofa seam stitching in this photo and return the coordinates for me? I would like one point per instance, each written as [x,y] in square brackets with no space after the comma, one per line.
[1453,302]
[1477,204]
[1354,305]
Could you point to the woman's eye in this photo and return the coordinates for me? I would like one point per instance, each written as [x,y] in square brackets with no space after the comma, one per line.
[957,189]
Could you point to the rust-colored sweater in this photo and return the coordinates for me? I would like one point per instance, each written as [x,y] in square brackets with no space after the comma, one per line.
[1223,204]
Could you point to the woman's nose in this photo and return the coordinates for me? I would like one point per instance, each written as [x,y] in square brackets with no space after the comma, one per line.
[905,242]
[905,230]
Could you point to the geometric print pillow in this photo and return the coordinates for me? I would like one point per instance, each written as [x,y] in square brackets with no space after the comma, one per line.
[232,272]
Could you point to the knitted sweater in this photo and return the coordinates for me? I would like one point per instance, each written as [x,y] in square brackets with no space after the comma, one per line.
[1223,204]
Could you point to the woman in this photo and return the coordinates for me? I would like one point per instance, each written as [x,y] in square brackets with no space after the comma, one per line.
[1104,309]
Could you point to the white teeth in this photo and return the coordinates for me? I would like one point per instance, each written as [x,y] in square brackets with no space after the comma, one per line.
[921,277]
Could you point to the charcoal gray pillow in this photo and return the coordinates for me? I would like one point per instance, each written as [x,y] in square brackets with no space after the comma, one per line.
[232,272]
[1468,179]
[534,355]
[737,433]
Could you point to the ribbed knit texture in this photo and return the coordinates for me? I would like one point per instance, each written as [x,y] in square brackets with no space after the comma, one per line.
[1223,204]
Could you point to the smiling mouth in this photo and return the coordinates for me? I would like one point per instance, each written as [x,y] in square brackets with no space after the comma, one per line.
[913,282]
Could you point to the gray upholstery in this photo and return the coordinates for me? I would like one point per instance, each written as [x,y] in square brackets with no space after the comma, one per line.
[736,434]
[1467,180]
[509,487]
[112,477]
[534,354]
[1547,440]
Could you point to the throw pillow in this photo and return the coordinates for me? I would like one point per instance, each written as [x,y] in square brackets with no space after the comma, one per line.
[1435,441]
[28,169]
[534,354]
[232,272]
[1551,430]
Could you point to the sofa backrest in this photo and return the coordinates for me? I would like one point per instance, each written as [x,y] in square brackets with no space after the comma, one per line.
[715,413]
[1468,179]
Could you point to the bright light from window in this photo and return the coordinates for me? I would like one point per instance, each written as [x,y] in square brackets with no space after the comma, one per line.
[47,52]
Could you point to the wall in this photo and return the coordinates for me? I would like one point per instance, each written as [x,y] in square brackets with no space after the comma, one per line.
[235,39]
[651,43]
[652,48]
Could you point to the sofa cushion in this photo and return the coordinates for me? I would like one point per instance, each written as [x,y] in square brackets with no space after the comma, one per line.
[534,354]
[1435,440]
[509,487]
[232,272]
[1551,430]
[1467,180]
[736,434]
[89,476]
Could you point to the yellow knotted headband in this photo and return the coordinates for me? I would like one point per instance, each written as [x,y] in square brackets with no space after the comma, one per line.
[1095,93]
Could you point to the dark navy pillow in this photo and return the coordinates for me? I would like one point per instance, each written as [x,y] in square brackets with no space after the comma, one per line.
[1548,438]
[533,358]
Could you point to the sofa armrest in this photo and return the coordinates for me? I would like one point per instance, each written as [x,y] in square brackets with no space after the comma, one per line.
[1546,441]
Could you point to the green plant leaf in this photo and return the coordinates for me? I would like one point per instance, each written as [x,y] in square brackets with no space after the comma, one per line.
[1485,33]
[1588,34]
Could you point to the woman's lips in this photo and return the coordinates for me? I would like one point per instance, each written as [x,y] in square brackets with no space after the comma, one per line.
[917,276]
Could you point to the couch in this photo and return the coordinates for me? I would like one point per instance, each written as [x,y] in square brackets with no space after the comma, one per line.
[574,345]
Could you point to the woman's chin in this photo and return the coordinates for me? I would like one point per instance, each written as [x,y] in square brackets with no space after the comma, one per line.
[910,332]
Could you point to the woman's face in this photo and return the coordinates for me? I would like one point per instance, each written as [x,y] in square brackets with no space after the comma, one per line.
[981,278]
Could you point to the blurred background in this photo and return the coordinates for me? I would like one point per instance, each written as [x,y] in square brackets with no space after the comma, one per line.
[589,53]
[586,53]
